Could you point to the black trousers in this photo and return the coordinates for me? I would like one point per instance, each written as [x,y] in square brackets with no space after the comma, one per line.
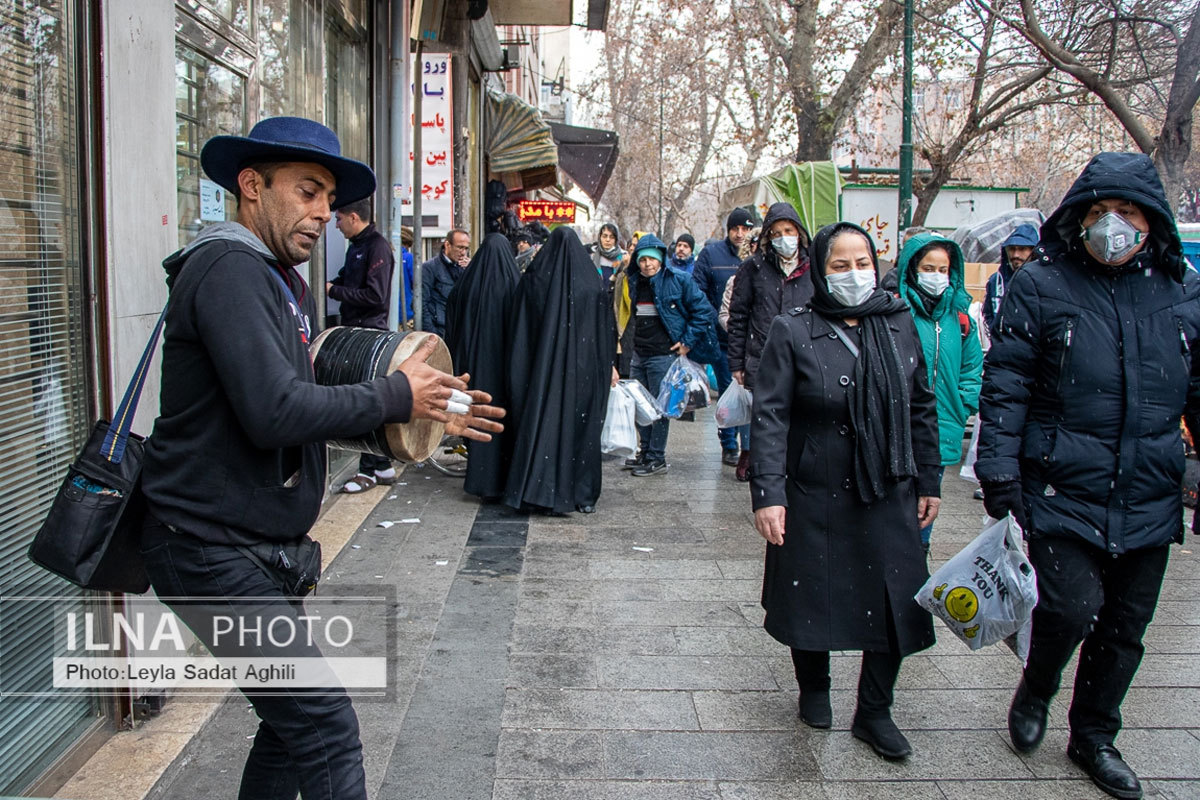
[307,741]
[1103,600]
[368,463]
[876,680]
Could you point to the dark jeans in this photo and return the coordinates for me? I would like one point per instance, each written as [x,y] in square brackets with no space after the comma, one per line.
[927,531]
[1105,601]
[876,680]
[728,436]
[650,372]
[368,464]
[307,742]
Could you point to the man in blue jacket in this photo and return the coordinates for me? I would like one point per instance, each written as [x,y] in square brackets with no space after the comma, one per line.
[1090,370]
[1015,251]
[439,275]
[715,266]
[670,319]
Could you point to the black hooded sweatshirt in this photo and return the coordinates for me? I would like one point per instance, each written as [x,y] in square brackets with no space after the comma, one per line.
[237,455]
[761,292]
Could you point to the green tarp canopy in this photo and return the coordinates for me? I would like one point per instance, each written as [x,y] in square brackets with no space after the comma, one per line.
[812,187]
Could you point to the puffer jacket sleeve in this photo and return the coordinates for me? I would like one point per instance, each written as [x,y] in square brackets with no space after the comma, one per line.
[772,417]
[1008,380]
[970,376]
[740,304]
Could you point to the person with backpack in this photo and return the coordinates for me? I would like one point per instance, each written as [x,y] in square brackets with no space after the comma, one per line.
[930,278]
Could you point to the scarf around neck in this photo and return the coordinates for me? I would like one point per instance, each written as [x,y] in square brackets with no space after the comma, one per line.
[878,396]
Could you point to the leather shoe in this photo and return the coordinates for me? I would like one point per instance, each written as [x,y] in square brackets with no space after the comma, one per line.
[815,711]
[743,467]
[1027,718]
[586,509]
[729,457]
[883,736]
[1106,768]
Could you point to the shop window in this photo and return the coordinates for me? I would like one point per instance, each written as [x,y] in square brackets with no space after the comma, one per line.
[210,99]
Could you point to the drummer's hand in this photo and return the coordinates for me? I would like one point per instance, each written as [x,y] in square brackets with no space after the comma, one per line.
[770,523]
[430,387]
[477,422]
[927,510]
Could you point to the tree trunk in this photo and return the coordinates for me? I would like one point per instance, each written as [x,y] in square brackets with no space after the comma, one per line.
[926,191]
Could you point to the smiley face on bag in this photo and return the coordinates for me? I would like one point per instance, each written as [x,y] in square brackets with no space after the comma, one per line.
[962,604]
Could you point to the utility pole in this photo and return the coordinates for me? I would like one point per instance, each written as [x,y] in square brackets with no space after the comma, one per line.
[418,184]
[398,138]
[660,152]
[904,217]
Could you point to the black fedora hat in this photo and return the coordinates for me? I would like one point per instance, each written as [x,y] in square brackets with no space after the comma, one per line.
[292,139]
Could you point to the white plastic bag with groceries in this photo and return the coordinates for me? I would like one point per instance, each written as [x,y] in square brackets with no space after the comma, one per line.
[647,409]
[619,436]
[735,407]
[987,592]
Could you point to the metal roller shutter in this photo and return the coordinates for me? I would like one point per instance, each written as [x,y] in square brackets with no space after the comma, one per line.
[43,377]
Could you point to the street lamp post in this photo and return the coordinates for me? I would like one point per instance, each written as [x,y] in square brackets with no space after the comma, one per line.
[904,217]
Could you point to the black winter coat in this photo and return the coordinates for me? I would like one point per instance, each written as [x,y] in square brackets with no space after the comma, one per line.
[761,292]
[843,565]
[1089,375]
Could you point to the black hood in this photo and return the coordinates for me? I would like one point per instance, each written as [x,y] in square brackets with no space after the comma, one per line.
[1128,176]
[787,211]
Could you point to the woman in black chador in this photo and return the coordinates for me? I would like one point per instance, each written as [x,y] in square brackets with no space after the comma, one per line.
[477,314]
[563,342]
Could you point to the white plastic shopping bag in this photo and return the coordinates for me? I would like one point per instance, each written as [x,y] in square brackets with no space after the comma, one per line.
[734,407]
[619,437]
[967,470]
[647,410]
[987,592]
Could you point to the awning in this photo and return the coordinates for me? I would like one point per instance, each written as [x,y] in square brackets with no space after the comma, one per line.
[588,155]
[517,138]
[812,187]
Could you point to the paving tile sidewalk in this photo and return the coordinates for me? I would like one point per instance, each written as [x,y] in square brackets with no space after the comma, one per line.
[620,656]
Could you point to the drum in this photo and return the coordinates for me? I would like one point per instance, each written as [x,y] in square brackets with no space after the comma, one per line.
[343,356]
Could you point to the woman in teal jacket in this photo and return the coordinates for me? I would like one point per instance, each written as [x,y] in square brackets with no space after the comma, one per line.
[930,279]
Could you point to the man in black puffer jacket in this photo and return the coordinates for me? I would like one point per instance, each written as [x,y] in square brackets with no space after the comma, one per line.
[1089,373]
[769,283]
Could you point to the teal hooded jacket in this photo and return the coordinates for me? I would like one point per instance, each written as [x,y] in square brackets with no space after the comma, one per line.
[954,361]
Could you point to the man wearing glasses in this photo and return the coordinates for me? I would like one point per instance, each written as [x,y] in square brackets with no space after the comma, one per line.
[438,276]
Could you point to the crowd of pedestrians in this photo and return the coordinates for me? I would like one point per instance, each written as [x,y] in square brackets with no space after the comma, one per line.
[864,387]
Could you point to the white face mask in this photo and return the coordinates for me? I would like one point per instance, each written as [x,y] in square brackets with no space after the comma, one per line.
[933,282]
[786,246]
[852,287]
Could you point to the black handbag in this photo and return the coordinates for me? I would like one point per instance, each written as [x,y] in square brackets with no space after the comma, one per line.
[92,534]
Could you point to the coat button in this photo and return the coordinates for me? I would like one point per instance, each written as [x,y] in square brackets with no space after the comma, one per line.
[833,336]
[844,380]
[844,430]
[846,484]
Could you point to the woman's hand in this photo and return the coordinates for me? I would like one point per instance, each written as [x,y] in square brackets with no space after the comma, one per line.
[679,348]
[927,510]
[616,376]
[770,523]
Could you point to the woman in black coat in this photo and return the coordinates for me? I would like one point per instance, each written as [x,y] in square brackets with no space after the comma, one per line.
[843,476]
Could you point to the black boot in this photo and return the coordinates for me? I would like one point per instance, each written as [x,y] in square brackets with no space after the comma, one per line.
[812,675]
[815,711]
[882,734]
[873,719]
[1027,717]
[1106,768]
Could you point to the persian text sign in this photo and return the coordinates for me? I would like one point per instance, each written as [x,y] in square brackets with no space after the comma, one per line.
[431,78]
[547,211]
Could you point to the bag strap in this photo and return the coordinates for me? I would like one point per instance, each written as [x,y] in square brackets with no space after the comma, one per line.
[841,334]
[297,311]
[113,446]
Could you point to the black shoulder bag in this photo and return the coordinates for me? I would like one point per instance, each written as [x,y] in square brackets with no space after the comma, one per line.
[93,532]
